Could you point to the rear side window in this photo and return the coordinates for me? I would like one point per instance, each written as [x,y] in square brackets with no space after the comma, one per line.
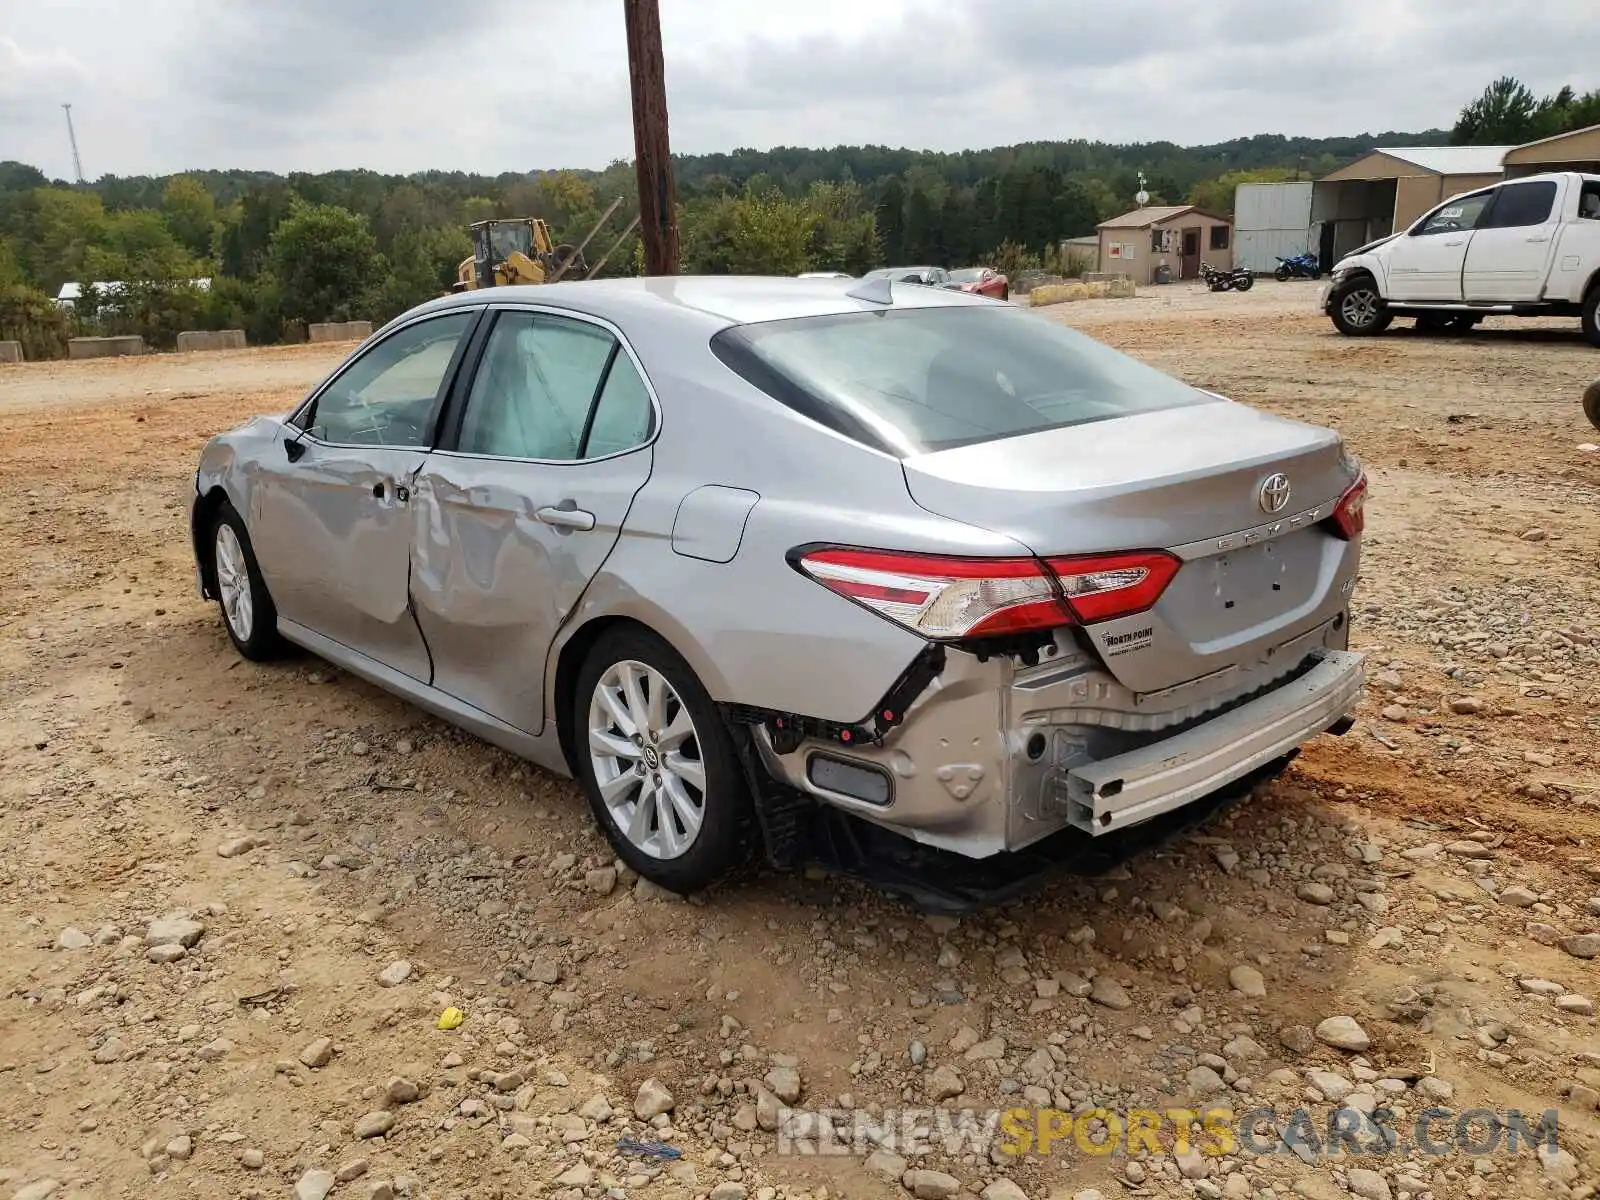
[1521,204]
[914,381]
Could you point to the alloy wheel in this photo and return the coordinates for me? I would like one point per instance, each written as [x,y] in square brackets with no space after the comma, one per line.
[1360,308]
[646,758]
[233,583]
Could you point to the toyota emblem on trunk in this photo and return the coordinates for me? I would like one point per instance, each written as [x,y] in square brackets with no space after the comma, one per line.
[1274,493]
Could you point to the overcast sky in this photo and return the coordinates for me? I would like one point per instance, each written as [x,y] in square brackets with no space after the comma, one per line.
[159,86]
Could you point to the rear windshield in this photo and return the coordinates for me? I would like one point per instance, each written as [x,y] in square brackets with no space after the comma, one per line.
[913,381]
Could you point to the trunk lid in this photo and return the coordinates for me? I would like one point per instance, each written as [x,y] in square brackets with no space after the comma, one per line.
[1254,583]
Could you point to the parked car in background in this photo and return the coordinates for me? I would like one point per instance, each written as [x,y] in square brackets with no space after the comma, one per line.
[981,281]
[1524,248]
[751,557]
[932,276]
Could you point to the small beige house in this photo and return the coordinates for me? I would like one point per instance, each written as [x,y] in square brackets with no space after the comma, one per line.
[1179,236]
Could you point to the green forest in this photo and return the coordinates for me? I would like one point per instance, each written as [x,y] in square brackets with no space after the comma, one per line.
[282,251]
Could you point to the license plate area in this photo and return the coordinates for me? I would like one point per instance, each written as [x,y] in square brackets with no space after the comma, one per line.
[1238,589]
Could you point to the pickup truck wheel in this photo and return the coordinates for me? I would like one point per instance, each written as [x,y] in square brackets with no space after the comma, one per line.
[1591,403]
[1591,316]
[1358,309]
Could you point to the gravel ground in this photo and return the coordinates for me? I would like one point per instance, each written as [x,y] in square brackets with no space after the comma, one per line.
[239,898]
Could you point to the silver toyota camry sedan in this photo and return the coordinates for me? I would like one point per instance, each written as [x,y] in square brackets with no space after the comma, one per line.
[748,556]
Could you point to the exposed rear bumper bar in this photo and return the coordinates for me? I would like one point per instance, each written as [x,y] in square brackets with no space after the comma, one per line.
[1114,793]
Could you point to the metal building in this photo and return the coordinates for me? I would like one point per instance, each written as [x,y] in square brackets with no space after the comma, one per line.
[1272,221]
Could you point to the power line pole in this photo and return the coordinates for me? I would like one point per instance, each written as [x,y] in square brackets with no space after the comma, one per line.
[77,164]
[658,210]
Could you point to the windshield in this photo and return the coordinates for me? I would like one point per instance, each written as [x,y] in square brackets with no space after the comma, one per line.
[913,381]
[967,275]
[509,236]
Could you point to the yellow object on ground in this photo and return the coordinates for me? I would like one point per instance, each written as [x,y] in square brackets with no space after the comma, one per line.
[451,1017]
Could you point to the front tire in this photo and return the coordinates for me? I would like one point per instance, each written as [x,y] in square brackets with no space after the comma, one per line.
[1358,309]
[658,763]
[1281,274]
[1591,316]
[248,613]
[1591,403]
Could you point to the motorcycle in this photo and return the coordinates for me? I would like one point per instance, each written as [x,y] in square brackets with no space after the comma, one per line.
[1219,280]
[1301,266]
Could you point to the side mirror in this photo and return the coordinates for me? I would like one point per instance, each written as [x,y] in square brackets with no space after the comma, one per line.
[294,448]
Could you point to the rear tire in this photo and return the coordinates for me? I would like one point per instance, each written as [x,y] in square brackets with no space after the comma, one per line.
[248,613]
[658,763]
[1591,403]
[1245,282]
[1358,308]
[1591,316]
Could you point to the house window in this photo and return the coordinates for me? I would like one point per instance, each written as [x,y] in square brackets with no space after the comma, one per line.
[1161,241]
[1219,237]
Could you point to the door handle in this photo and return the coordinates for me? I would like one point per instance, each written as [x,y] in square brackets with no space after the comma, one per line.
[1457,242]
[566,518]
[1542,237]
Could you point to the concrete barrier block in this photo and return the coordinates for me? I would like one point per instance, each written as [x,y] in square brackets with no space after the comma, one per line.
[211,339]
[1120,288]
[103,347]
[340,331]
[10,351]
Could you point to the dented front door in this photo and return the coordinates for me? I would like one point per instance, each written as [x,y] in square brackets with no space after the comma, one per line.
[334,531]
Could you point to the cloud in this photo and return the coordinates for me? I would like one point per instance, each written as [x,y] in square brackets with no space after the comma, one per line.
[402,85]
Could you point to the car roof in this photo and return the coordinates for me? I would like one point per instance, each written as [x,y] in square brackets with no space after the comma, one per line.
[714,300]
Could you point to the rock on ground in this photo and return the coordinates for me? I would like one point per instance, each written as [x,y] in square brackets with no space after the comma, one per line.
[1343,1033]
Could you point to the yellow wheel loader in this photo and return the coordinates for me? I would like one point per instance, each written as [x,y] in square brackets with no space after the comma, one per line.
[513,251]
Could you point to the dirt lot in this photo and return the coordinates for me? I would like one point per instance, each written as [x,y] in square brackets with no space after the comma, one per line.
[1432,875]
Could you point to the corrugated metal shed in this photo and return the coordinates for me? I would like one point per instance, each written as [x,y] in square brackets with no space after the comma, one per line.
[1272,221]
[1451,160]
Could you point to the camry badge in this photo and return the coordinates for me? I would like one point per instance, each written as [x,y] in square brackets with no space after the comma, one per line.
[1274,496]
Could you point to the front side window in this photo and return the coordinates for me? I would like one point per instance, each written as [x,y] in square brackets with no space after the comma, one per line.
[914,381]
[1456,216]
[1522,204]
[390,395]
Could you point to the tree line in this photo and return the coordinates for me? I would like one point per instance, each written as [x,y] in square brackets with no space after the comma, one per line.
[284,250]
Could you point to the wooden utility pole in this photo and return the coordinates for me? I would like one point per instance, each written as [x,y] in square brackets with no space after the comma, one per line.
[652,151]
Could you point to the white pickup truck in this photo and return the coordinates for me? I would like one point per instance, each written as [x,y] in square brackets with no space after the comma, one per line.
[1523,248]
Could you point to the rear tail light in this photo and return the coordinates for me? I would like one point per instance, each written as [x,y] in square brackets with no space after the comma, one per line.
[1350,514]
[946,598]
[1102,586]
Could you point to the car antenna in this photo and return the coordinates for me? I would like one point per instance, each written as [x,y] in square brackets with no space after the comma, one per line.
[874,291]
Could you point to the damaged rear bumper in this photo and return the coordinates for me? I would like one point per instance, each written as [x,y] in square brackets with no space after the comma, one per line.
[994,758]
[1139,784]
